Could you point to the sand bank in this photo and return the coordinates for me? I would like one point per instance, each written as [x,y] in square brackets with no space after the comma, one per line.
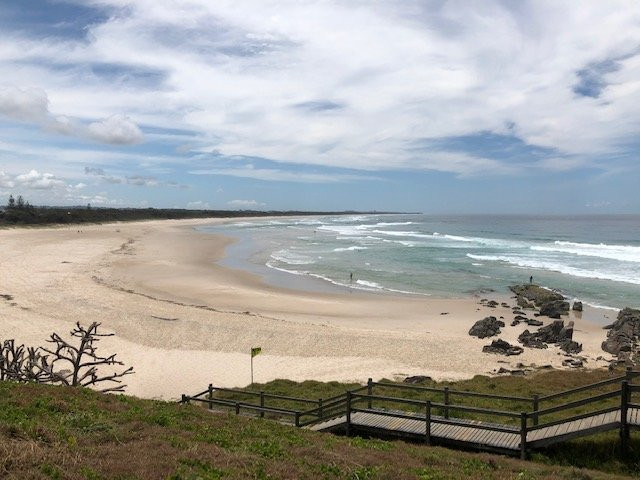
[183,321]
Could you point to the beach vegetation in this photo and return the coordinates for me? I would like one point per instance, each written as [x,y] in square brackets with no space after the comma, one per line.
[51,431]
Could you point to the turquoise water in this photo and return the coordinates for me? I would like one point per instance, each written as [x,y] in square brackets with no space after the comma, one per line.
[592,258]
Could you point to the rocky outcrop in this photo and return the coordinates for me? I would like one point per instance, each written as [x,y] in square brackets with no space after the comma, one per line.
[555,333]
[502,348]
[624,333]
[531,340]
[577,306]
[535,293]
[555,308]
[487,327]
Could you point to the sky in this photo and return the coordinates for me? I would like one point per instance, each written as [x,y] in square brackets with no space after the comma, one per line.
[434,106]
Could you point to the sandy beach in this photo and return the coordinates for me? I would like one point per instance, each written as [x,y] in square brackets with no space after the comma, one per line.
[182,321]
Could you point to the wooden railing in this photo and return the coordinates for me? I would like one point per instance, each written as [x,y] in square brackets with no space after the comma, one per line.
[532,416]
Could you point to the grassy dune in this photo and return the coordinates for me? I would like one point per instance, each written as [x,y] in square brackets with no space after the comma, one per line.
[60,433]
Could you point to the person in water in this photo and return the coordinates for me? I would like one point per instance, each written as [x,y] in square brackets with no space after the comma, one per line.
[351,277]
[531,279]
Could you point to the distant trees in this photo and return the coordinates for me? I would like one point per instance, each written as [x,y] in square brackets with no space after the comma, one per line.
[75,364]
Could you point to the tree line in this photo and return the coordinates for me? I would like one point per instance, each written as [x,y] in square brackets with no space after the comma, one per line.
[18,211]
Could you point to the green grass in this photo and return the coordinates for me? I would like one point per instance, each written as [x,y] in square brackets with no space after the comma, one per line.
[54,432]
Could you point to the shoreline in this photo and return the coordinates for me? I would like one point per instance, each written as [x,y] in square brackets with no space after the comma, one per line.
[184,321]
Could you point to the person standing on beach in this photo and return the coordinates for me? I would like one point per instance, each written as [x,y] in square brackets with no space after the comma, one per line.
[351,277]
[531,279]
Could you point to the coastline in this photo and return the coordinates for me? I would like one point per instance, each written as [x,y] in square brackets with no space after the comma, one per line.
[184,321]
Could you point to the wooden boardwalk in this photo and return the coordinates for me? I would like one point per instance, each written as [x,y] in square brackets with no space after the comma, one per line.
[474,434]
[609,405]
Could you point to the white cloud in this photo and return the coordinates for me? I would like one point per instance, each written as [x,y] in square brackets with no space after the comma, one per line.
[199,204]
[344,84]
[245,204]
[269,174]
[116,130]
[29,104]
[38,181]
[5,180]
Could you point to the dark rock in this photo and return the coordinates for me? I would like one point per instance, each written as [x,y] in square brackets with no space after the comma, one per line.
[520,317]
[556,333]
[523,302]
[534,323]
[515,322]
[577,306]
[417,379]
[518,312]
[573,363]
[555,308]
[502,348]
[503,370]
[536,294]
[623,333]
[492,304]
[487,327]
[570,347]
[505,305]
[531,340]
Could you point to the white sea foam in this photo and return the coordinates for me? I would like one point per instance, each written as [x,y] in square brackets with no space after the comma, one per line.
[349,249]
[558,267]
[287,256]
[623,253]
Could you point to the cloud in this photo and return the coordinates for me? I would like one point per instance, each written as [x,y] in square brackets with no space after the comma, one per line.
[279,175]
[198,205]
[38,181]
[29,104]
[116,130]
[341,84]
[94,171]
[142,181]
[5,180]
[245,204]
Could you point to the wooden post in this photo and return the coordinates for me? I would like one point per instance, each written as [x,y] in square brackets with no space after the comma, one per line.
[624,426]
[523,435]
[210,396]
[237,408]
[262,404]
[297,419]
[427,433]
[446,402]
[629,374]
[536,407]
[319,408]
[369,392]
[184,399]
[348,413]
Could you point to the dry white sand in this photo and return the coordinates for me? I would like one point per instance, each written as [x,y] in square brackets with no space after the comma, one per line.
[184,322]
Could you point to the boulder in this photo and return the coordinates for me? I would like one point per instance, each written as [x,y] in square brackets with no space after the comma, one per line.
[531,340]
[577,306]
[535,293]
[417,379]
[520,317]
[502,348]
[515,322]
[570,347]
[534,323]
[623,333]
[556,333]
[555,308]
[573,363]
[487,327]
[523,302]
[492,304]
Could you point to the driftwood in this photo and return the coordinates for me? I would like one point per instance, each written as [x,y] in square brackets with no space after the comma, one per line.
[64,363]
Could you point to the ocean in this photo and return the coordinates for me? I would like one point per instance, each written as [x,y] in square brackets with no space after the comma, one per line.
[595,259]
